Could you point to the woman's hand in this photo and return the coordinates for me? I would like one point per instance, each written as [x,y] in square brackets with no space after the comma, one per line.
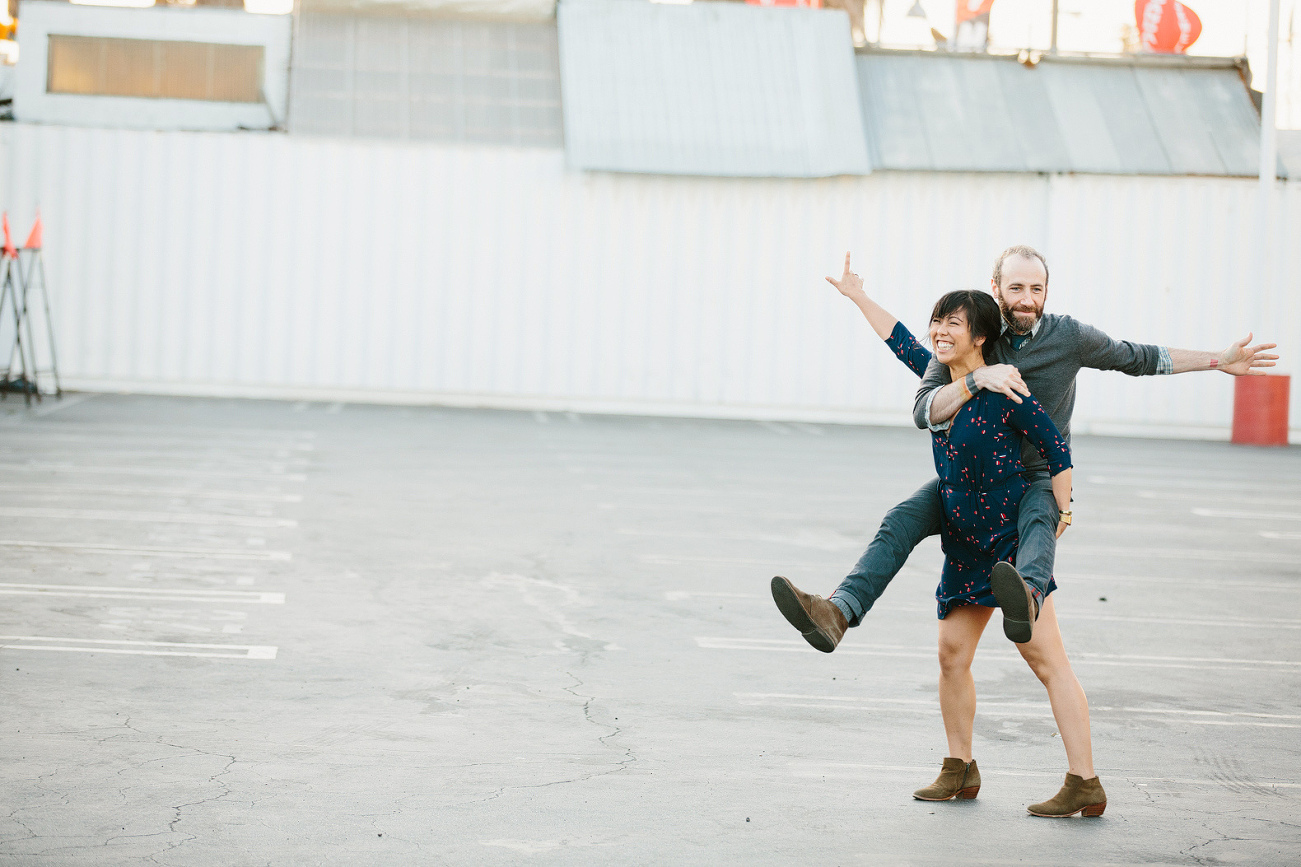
[1061,528]
[849,284]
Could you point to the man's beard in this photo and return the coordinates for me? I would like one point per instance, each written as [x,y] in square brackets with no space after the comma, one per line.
[1019,322]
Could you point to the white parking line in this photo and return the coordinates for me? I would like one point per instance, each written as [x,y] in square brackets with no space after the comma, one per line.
[1249,516]
[187,493]
[224,434]
[45,437]
[1009,709]
[784,645]
[136,648]
[822,769]
[253,597]
[1253,500]
[1179,554]
[49,408]
[1168,482]
[38,467]
[144,517]
[679,595]
[149,551]
[1182,581]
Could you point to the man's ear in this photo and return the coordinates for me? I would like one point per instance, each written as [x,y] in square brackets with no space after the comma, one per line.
[993,288]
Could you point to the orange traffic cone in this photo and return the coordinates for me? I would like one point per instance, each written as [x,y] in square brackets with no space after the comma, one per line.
[34,239]
[10,251]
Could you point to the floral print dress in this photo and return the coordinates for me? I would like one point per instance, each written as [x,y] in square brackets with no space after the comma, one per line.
[978,460]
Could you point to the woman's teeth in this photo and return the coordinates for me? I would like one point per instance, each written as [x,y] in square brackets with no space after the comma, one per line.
[943,344]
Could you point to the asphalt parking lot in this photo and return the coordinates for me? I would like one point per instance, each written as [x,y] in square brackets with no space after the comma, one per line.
[258,632]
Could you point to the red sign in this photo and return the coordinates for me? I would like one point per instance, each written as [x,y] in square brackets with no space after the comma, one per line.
[1166,26]
[968,9]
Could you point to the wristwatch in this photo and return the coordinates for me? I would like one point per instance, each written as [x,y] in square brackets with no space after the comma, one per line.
[1064,516]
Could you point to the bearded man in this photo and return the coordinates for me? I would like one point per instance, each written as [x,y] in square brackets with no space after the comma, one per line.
[1036,353]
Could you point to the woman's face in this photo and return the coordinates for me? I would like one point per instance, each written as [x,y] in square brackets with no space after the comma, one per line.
[951,337]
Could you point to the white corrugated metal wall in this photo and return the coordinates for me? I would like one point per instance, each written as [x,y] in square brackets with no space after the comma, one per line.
[262,264]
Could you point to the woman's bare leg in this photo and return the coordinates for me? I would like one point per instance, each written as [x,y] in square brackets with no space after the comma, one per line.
[959,634]
[1047,658]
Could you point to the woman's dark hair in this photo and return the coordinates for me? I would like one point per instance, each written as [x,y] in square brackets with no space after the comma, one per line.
[981,311]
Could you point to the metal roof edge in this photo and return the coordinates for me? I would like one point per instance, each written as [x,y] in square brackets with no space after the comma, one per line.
[1179,61]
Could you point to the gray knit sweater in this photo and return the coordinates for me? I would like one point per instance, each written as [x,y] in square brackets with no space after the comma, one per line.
[1048,362]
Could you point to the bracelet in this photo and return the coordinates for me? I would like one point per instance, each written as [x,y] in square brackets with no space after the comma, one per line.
[970,383]
[1215,362]
[1064,516]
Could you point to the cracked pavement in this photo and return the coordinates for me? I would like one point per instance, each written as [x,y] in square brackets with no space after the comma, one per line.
[546,638]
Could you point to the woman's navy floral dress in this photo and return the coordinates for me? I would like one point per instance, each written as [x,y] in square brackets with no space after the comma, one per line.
[978,460]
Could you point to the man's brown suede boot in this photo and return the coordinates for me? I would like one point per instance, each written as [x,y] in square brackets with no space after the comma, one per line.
[1017,601]
[957,779]
[819,620]
[1078,795]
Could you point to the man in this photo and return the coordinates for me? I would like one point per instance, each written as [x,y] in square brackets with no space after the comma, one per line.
[1039,354]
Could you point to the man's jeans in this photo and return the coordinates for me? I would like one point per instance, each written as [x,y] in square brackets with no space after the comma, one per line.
[919,516]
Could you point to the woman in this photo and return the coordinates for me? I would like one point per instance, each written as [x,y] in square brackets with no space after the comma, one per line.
[978,460]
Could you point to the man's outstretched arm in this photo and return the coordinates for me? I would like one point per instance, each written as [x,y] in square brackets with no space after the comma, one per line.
[1238,360]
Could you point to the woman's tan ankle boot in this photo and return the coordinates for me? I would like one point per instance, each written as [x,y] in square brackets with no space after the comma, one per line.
[957,779]
[1078,795]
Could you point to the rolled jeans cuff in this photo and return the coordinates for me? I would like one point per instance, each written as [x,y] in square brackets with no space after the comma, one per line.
[848,606]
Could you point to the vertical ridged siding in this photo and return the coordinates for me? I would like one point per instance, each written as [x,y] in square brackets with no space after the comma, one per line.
[271,264]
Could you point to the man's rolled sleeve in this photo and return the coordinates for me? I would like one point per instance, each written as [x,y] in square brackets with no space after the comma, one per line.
[1164,365]
[944,425]
[935,378]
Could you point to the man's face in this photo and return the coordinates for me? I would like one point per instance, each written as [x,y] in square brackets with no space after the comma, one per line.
[1022,295]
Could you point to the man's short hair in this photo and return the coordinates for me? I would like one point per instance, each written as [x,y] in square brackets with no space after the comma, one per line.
[1025,252]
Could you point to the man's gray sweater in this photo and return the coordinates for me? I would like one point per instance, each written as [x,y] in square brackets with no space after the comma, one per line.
[1048,362]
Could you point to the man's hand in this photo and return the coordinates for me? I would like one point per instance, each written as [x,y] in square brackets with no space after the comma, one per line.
[1241,360]
[1061,528]
[849,284]
[1003,378]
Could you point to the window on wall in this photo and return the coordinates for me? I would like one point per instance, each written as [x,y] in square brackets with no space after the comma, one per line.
[442,80]
[162,69]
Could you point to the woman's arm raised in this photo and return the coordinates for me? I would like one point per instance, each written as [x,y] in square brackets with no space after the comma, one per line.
[851,286]
[888,328]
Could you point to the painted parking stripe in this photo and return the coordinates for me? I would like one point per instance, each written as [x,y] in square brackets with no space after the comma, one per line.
[187,493]
[148,551]
[251,597]
[1179,554]
[45,437]
[1248,516]
[143,517]
[1182,581]
[137,648]
[780,645]
[1253,500]
[1009,709]
[822,769]
[224,433]
[39,467]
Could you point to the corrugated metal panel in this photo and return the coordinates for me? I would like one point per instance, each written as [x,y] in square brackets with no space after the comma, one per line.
[709,89]
[496,10]
[344,269]
[435,80]
[950,112]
